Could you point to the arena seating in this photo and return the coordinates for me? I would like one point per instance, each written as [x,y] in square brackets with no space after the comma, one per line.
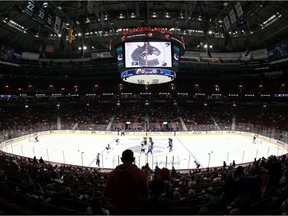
[30,187]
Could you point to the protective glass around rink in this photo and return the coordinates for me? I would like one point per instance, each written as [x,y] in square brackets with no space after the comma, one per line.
[180,150]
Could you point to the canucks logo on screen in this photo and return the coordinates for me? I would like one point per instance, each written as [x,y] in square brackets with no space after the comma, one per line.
[119,51]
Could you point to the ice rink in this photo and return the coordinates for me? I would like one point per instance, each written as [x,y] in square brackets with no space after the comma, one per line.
[208,150]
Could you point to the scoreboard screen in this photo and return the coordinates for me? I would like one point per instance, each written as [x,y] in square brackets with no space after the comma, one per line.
[148,54]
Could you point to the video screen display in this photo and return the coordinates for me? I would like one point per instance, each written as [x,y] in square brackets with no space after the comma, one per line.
[176,51]
[148,54]
[120,59]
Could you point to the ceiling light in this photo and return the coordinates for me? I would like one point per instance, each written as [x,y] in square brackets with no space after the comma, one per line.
[154,15]
[121,16]
[210,32]
[132,15]
[167,15]
[45,4]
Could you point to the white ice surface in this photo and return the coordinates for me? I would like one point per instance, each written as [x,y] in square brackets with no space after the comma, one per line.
[81,149]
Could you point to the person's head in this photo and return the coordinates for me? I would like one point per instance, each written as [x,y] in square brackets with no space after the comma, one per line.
[235,211]
[204,211]
[127,156]
[176,195]
[164,173]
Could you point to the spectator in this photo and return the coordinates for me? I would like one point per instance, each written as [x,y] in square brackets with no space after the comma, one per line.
[168,188]
[204,211]
[284,207]
[126,185]
[41,161]
[251,185]
[156,204]
[235,211]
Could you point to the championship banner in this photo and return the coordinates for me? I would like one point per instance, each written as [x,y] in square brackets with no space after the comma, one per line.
[63,36]
[49,21]
[70,36]
[41,15]
[57,25]
[29,7]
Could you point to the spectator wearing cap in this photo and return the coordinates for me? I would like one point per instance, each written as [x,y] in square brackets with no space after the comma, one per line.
[126,185]
[164,173]
[156,204]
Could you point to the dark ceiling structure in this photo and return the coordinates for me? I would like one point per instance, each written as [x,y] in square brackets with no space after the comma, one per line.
[95,23]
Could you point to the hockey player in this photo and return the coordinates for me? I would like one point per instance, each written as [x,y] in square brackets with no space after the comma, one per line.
[150,140]
[108,147]
[197,164]
[122,133]
[150,149]
[170,144]
[254,139]
[117,141]
[36,138]
[145,140]
[98,159]
[142,149]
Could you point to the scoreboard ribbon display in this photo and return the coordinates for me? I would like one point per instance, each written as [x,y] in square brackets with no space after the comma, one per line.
[148,76]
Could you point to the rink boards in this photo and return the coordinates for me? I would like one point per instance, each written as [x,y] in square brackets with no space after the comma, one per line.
[209,148]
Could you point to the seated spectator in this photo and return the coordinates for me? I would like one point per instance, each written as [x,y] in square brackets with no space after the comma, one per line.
[235,211]
[204,211]
[285,207]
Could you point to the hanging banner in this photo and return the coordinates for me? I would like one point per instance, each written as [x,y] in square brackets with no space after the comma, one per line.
[63,36]
[29,7]
[49,22]
[57,25]
[41,15]
[70,36]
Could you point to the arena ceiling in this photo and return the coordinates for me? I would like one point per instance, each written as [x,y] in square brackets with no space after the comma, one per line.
[95,23]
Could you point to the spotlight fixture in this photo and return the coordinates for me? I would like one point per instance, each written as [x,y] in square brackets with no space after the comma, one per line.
[154,15]
[45,4]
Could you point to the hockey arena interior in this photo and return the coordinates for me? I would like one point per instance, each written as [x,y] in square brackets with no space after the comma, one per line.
[190,95]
